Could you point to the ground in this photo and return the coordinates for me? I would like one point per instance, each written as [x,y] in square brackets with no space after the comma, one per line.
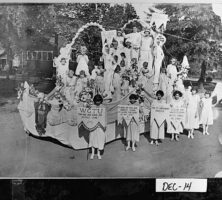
[27,156]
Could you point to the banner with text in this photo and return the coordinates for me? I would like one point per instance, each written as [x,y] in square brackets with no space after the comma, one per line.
[160,113]
[127,113]
[177,116]
[91,118]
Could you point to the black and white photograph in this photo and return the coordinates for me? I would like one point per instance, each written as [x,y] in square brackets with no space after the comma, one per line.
[111,90]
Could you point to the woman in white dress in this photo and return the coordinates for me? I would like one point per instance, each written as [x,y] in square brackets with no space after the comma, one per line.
[206,115]
[132,130]
[192,116]
[82,61]
[157,132]
[109,70]
[97,137]
[176,128]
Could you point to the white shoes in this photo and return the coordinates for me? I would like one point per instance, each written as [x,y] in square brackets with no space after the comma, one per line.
[134,149]
[127,148]
[92,156]
[177,138]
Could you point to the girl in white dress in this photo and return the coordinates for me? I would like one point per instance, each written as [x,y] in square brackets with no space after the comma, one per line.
[132,130]
[109,70]
[82,61]
[206,116]
[97,137]
[127,51]
[70,86]
[62,69]
[120,39]
[117,81]
[192,116]
[177,128]
[156,132]
[81,83]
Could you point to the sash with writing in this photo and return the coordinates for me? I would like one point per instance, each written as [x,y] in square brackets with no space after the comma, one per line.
[91,118]
[177,116]
[160,113]
[128,113]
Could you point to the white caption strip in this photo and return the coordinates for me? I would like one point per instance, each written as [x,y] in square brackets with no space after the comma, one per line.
[181,185]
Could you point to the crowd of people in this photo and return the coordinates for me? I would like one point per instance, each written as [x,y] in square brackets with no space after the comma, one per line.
[131,63]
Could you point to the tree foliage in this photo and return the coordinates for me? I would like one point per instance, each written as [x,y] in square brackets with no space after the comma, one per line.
[33,26]
[200,26]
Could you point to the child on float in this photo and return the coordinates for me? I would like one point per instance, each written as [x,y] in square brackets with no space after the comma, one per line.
[132,130]
[156,132]
[206,115]
[192,115]
[125,84]
[145,78]
[100,82]
[62,69]
[179,84]
[108,77]
[117,81]
[70,86]
[127,51]
[120,39]
[82,61]
[164,84]
[97,137]
[81,83]
[123,62]
[176,129]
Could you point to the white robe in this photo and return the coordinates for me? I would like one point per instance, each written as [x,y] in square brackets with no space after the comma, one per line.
[159,55]
[146,52]
[82,61]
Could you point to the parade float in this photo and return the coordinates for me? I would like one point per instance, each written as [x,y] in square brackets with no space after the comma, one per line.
[72,125]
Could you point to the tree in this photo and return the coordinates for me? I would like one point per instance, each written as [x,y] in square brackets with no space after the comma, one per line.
[199,26]
[109,16]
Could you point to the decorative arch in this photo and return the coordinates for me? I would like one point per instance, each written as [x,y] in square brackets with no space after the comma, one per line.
[84,27]
[65,52]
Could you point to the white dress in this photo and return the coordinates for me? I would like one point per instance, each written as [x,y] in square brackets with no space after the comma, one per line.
[159,55]
[62,71]
[177,128]
[120,40]
[97,138]
[206,115]
[69,89]
[192,117]
[146,52]
[172,72]
[82,61]
[155,131]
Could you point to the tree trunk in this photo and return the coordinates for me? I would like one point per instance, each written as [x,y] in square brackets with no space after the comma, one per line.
[201,80]
[56,51]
